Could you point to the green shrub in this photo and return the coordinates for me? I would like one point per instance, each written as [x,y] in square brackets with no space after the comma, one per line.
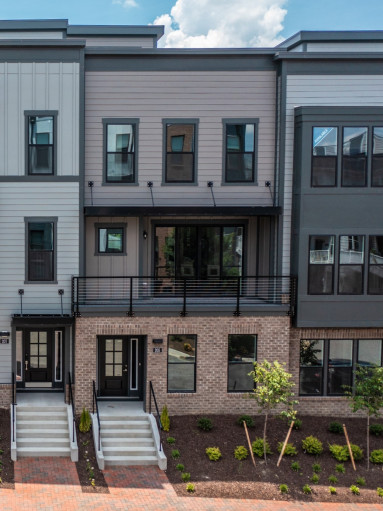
[307,489]
[379,491]
[283,488]
[316,468]
[315,479]
[245,418]
[377,457]
[297,424]
[376,429]
[259,448]
[240,452]
[205,424]
[185,476]
[180,467]
[332,490]
[340,468]
[213,453]
[361,481]
[190,488]
[175,454]
[312,445]
[356,452]
[85,421]
[354,489]
[335,427]
[338,452]
[165,419]
[332,479]
[290,449]
[295,466]
[171,440]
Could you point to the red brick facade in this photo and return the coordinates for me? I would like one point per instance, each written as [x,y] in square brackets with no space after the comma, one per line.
[5,395]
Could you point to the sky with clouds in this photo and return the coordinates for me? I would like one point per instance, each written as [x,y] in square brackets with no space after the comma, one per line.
[210,23]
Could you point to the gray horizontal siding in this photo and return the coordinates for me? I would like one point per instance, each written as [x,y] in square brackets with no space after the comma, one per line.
[138,42]
[151,97]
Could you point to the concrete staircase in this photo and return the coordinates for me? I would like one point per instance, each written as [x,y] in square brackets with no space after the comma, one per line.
[42,431]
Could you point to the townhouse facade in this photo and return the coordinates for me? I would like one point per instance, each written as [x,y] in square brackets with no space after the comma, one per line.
[171,216]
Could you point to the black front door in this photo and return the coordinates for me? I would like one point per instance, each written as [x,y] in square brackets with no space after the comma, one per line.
[121,366]
[38,356]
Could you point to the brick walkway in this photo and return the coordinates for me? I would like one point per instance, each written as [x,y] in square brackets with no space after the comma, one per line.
[52,484]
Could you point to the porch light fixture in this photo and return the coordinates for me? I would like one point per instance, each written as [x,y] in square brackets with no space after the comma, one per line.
[145,235]
[91,185]
[210,185]
[150,186]
[21,292]
[61,292]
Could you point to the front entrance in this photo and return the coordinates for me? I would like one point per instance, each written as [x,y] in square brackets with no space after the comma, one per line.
[121,366]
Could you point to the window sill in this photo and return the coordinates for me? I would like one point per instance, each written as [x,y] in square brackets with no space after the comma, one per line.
[41,282]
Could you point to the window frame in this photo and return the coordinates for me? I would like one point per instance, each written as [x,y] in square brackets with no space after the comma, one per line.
[188,363]
[119,121]
[334,266]
[41,113]
[229,391]
[362,265]
[195,123]
[336,157]
[241,120]
[368,170]
[110,225]
[53,221]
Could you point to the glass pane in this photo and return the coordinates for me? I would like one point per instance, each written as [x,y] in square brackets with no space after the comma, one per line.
[120,167]
[102,240]
[109,345]
[354,156]
[41,130]
[321,249]
[120,138]
[19,355]
[324,171]
[375,279]
[339,365]
[43,349]
[370,352]
[180,138]
[165,251]
[108,370]
[40,236]
[376,249]
[43,362]
[34,349]
[311,380]
[351,250]
[240,137]
[355,142]
[320,279]
[118,344]
[350,280]
[232,249]
[182,348]
[58,354]
[238,377]
[34,337]
[109,357]
[115,240]
[43,337]
[242,348]
[40,265]
[40,159]
[210,243]
[311,352]
[179,167]
[180,377]
[118,370]
[239,167]
[133,364]
[377,159]
[325,141]
[186,250]
[118,357]
[34,362]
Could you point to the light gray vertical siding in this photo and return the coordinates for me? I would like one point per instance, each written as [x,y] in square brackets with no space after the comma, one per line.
[38,86]
[153,96]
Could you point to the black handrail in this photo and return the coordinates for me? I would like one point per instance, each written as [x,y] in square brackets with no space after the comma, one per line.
[71,401]
[157,411]
[14,403]
[98,415]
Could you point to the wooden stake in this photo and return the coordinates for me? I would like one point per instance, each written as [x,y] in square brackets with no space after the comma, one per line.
[349,446]
[248,441]
[285,443]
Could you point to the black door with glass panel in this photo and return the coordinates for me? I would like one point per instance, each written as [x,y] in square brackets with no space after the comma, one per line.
[121,366]
[38,356]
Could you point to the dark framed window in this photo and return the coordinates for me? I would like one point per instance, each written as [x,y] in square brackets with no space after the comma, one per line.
[242,352]
[180,145]
[354,156]
[120,145]
[41,144]
[240,145]
[326,366]
[182,352]
[377,157]
[41,251]
[321,265]
[375,266]
[110,240]
[324,156]
[351,265]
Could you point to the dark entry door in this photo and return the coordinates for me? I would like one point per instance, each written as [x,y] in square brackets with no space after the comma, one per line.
[121,366]
[38,356]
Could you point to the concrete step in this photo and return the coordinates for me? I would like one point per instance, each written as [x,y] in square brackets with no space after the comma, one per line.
[46,442]
[39,416]
[23,452]
[51,409]
[124,418]
[137,450]
[39,433]
[41,424]
[125,433]
[125,424]
[130,460]
[126,442]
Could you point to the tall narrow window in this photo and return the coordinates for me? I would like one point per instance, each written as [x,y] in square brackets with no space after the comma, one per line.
[41,251]
[339,365]
[354,161]
[240,147]
[242,351]
[120,153]
[351,263]
[325,152]
[40,144]
[180,153]
[375,269]
[311,367]
[182,363]
[321,265]
[377,157]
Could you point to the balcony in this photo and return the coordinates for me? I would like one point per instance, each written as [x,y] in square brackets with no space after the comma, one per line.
[235,295]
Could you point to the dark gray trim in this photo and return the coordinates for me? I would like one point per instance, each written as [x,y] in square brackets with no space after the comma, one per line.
[174,211]
[48,24]
[111,225]
[240,120]
[368,65]
[117,121]
[40,179]
[154,31]
[82,237]
[45,113]
[45,219]
[43,54]
[178,120]
[343,36]
[140,60]
[43,320]
[281,165]
[338,114]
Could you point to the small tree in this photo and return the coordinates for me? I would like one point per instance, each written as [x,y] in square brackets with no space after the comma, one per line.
[367,395]
[273,389]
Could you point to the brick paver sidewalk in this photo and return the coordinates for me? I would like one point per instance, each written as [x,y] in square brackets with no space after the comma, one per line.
[52,484]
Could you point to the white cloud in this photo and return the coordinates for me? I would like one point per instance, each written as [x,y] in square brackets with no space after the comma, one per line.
[222,23]
[126,3]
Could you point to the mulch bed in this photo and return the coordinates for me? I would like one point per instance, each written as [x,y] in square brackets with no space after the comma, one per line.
[86,453]
[230,478]
[6,464]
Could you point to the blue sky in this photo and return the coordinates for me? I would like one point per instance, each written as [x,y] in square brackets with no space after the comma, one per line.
[191,20]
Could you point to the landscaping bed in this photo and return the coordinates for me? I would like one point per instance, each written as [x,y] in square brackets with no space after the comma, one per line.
[230,478]
[6,464]
[91,478]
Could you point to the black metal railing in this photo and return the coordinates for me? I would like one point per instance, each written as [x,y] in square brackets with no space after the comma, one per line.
[132,292]
[71,402]
[14,403]
[158,417]
[95,409]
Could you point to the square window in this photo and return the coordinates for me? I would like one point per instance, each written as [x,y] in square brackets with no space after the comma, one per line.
[41,141]
[110,240]
[242,350]
[120,151]
[182,363]
[240,151]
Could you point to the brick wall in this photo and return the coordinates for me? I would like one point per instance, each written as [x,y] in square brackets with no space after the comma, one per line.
[211,394]
[5,395]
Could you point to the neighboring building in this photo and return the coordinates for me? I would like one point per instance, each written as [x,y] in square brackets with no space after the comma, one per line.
[187,192]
